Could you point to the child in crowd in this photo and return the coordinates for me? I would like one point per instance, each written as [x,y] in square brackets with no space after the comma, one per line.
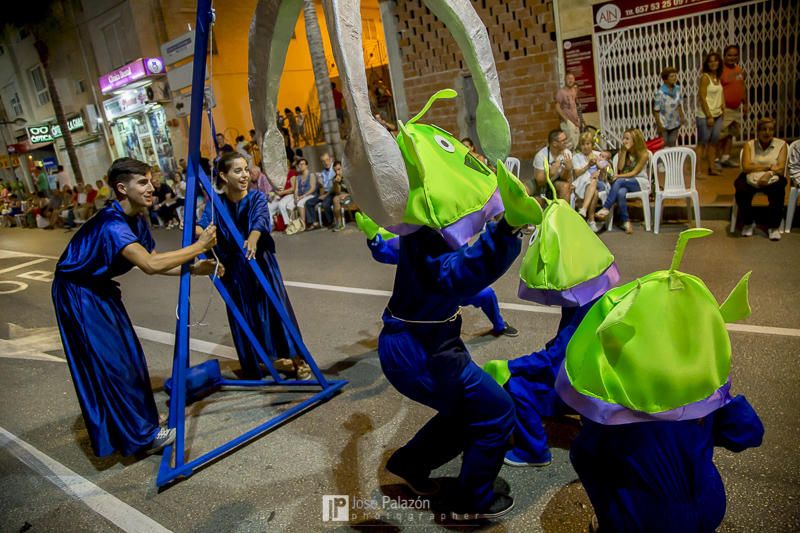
[591,167]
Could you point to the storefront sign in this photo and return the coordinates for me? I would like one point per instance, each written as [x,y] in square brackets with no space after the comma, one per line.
[47,133]
[623,13]
[579,60]
[126,103]
[177,49]
[131,72]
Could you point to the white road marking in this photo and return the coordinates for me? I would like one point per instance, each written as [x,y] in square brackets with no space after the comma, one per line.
[740,328]
[23,265]
[112,509]
[162,337]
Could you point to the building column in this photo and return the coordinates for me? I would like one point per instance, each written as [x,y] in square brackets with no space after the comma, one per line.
[391,35]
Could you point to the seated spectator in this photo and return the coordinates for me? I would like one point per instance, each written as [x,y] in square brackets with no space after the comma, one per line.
[794,164]
[553,162]
[324,198]
[281,199]
[763,164]
[13,207]
[103,195]
[590,167]
[179,188]
[259,181]
[341,196]
[241,149]
[630,175]
[466,141]
[85,208]
[305,190]
[164,205]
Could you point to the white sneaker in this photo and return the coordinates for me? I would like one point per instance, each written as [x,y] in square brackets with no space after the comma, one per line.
[774,234]
[747,231]
[593,226]
[582,212]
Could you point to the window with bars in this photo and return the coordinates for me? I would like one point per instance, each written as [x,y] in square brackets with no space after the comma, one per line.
[40,85]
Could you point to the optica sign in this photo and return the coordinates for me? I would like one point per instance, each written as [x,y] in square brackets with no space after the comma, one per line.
[47,133]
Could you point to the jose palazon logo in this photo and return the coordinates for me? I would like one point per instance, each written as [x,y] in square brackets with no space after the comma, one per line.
[335,508]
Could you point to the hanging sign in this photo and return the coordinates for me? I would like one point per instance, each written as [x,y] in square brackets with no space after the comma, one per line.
[623,13]
[179,48]
[579,60]
[47,133]
[131,72]
[126,103]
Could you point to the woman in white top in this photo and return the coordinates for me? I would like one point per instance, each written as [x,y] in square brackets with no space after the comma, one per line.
[709,110]
[630,175]
[590,167]
[763,167]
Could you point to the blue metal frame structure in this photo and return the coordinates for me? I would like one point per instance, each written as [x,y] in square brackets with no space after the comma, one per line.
[173,463]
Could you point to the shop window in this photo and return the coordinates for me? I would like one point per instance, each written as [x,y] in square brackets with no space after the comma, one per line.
[80,86]
[40,84]
[16,105]
[110,34]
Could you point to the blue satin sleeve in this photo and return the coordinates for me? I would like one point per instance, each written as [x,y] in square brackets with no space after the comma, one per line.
[466,271]
[259,213]
[737,426]
[205,218]
[385,252]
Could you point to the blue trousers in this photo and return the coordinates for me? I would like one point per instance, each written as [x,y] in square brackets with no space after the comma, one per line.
[474,416]
[619,189]
[486,301]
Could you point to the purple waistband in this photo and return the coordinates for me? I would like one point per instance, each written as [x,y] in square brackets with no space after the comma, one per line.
[576,296]
[462,230]
[612,414]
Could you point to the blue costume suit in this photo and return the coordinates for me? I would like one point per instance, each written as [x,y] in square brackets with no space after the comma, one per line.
[660,476]
[426,360]
[105,358]
[532,387]
[251,213]
[486,300]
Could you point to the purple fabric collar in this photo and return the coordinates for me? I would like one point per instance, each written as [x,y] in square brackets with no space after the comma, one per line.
[611,414]
[576,296]
[462,230]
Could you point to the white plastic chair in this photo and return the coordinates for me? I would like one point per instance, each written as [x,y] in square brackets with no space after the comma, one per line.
[513,165]
[319,212]
[673,160]
[793,192]
[643,196]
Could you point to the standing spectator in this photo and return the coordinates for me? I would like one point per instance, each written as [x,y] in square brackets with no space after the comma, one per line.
[300,119]
[324,196]
[709,111]
[62,178]
[52,180]
[292,120]
[287,143]
[553,162]
[305,190]
[241,149]
[763,164]
[733,87]
[254,149]
[341,196]
[566,106]
[338,103]
[42,181]
[668,107]
[222,146]
[630,175]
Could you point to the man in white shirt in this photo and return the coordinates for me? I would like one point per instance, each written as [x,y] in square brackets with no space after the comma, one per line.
[62,178]
[553,161]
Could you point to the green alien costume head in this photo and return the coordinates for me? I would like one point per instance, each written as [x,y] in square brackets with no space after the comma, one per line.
[653,349]
[450,190]
[566,263]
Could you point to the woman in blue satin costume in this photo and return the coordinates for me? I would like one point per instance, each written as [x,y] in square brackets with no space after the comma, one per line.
[424,358]
[105,358]
[385,251]
[250,213]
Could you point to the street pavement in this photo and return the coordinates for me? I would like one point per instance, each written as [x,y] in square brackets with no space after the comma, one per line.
[51,481]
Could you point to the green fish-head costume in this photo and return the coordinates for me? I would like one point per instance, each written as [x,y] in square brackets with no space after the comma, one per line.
[653,349]
[450,190]
[566,264]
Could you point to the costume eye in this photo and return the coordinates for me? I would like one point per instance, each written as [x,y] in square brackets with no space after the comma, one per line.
[444,143]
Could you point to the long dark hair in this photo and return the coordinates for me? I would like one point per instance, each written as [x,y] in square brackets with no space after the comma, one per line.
[707,70]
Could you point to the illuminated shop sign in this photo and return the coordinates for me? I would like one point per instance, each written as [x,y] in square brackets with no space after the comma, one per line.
[131,72]
[47,133]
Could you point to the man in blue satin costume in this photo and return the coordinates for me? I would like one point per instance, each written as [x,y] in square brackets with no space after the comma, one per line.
[250,213]
[105,357]
[384,247]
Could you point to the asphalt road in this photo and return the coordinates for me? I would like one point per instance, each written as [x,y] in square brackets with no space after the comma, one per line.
[51,481]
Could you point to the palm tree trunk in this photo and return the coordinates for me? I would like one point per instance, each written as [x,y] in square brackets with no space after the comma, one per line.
[327,112]
[55,99]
